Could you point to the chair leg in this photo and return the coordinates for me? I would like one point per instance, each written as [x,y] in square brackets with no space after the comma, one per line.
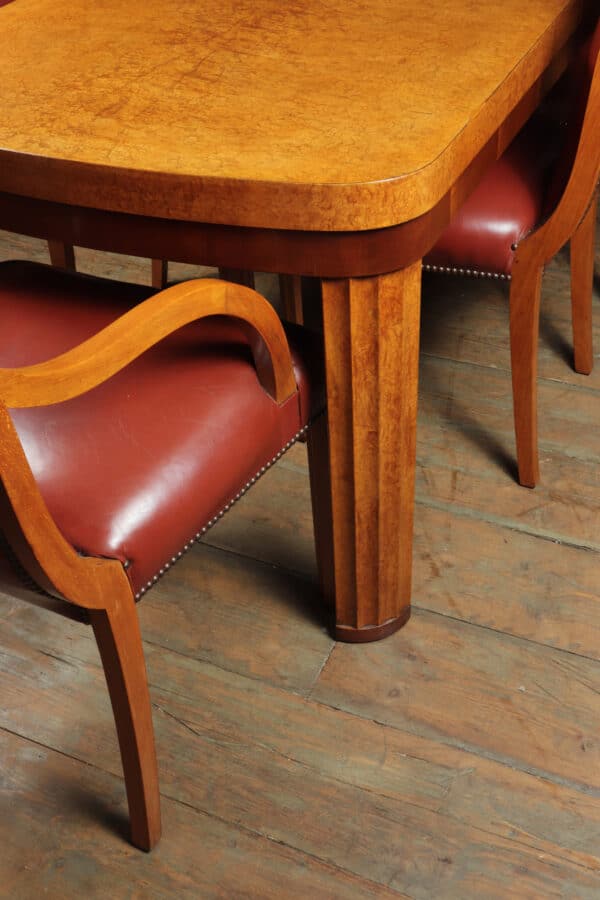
[119,641]
[62,256]
[525,295]
[582,277]
[290,290]
[160,273]
[238,276]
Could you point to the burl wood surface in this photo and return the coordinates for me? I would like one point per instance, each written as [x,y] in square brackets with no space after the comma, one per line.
[457,759]
[369,111]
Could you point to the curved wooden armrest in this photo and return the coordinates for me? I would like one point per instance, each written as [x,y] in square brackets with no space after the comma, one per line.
[106,353]
[544,243]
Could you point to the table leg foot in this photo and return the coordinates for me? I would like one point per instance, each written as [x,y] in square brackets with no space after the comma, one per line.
[367,633]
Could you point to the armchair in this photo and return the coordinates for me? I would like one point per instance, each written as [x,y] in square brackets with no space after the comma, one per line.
[127,429]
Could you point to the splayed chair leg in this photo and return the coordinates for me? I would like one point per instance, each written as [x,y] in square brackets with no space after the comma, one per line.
[525,293]
[119,641]
[582,277]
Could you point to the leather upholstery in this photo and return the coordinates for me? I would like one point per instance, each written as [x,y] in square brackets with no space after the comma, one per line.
[521,189]
[134,468]
[505,206]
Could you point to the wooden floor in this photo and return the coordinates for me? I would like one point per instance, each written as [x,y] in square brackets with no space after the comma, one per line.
[459,758]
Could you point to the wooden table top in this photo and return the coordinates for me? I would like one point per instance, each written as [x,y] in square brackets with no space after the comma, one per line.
[318,115]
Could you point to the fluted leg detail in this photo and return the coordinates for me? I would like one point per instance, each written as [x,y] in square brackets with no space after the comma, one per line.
[371,328]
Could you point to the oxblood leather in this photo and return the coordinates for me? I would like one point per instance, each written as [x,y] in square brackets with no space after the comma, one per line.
[521,189]
[134,468]
[504,207]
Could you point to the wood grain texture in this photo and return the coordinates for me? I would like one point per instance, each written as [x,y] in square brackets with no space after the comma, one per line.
[290,291]
[69,859]
[246,756]
[522,566]
[371,352]
[393,790]
[191,110]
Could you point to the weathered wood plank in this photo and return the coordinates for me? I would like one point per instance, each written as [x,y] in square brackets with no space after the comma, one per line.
[476,554]
[466,319]
[476,399]
[237,613]
[240,614]
[217,755]
[527,705]
[506,580]
[62,823]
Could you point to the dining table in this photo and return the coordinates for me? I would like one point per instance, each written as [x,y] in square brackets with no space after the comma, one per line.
[329,139]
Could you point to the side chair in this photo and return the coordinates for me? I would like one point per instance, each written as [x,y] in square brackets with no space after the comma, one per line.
[130,422]
[539,195]
[528,206]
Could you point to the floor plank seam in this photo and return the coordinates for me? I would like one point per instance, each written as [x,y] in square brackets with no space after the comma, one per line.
[245,829]
[203,812]
[320,672]
[530,845]
[221,668]
[63,753]
[465,512]
[535,847]
[240,554]
[474,750]
[542,379]
[515,637]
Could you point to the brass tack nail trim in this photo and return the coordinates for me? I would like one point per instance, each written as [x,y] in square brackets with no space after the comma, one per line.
[220,514]
[473,273]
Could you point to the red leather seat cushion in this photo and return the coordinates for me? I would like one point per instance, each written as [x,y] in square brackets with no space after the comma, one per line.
[134,468]
[505,206]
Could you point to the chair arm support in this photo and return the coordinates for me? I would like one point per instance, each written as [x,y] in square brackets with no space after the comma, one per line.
[107,352]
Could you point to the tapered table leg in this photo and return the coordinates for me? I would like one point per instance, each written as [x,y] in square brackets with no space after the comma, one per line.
[363,465]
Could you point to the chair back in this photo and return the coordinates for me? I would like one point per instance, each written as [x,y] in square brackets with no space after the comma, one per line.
[581,77]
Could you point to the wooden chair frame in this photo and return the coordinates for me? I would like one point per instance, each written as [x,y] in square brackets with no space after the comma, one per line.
[100,587]
[574,220]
